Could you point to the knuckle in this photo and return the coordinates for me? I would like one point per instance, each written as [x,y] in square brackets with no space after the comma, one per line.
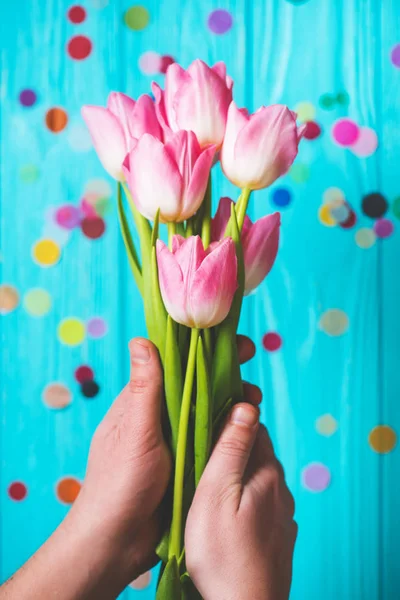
[233,447]
[138,385]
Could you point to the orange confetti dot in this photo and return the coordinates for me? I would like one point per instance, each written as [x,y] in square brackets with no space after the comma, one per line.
[68,489]
[9,299]
[56,119]
[382,439]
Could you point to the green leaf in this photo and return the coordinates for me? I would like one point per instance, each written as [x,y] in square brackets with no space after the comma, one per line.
[226,378]
[203,416]
[173,381]
[220,417]
[162,548]
[128,242]
[189,591]
[169,587]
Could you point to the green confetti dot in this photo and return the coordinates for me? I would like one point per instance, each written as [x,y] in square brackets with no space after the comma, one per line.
[327,101]
[137,18]
[37,302]
[103,206]
[396,207]
[299,172]
[343,98]
[29,173]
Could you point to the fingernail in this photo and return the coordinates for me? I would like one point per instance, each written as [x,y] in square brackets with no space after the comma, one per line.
[244,415]
[139,354]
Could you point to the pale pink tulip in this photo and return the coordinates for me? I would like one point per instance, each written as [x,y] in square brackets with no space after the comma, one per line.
[260,241]
[115,129]
[195,100]
[261,147]
[172,177]
[197,285]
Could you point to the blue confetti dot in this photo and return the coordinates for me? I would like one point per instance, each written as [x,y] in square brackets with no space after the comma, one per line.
[281,197]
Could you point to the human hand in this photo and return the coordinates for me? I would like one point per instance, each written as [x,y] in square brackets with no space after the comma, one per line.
[240,532]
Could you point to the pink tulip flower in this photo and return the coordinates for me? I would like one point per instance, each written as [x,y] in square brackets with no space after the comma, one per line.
[195,100]
[197,285]
[172,177]
[260,241]
[261,147]
[115,129]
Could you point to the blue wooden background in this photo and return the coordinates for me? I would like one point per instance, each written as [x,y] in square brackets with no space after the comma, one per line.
[277,51]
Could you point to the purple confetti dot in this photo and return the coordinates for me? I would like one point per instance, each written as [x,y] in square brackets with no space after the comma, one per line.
[316,477]
[395,56]
[383,228]
[96,327]
[27,97]
[220,21]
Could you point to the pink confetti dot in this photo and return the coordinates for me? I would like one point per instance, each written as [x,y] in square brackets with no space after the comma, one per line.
[383,228]
[96,327]
[68,216]
[395,56]
[150,63]
[366,143]
[272,341]
[345,132]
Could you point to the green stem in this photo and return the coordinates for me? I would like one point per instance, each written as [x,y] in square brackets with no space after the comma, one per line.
[189,227]
[241,207]
[176,526]
[171,233]
[206,225]
[129,243]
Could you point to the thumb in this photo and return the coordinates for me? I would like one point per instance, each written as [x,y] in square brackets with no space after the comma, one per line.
[230,456]
[144,392]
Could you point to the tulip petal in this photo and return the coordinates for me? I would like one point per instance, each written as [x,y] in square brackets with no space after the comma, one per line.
[175,77]
[144,118]
[154,179]
[266,147]
[220,69]
[189,256]
[260,247]
[108,138]
[214,285]
[201,104]
[236,121]
[221,218]
[122,107]
[171,283]
[194,193]
[177,241]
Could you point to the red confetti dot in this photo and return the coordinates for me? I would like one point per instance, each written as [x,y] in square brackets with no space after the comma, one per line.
[93,227]
[166,61]
[84,373]
[79,47]
[272,341]
[312,130]
[17,491]
[350,221]
[76,14]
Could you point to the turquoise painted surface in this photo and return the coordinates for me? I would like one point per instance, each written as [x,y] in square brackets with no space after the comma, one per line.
[277,51]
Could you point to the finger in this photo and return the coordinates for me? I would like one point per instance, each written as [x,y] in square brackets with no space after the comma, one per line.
[252,393]
[246,348]
[231,453]
[143,394]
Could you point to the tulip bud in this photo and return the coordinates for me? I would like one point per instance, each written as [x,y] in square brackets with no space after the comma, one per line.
[171,177]
[260,241]
[115,129]
[197,285]
[261,147]
[195,100]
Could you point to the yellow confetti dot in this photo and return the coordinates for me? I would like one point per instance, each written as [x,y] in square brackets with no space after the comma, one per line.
[37,302]
[46,253]
[9,299]
[326,425]
[333,194]
[71,331]
[325,216]
[305,112]
[365,238]
[382,439]
[334,322]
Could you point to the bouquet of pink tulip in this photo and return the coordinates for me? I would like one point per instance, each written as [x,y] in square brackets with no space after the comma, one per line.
[162,153]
